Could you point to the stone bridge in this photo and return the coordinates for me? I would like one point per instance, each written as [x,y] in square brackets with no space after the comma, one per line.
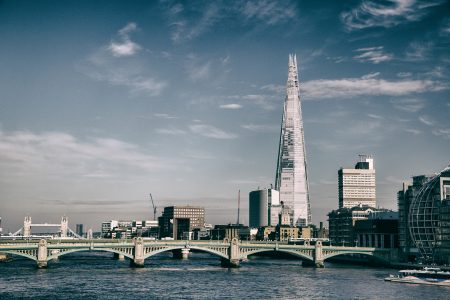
[231,252]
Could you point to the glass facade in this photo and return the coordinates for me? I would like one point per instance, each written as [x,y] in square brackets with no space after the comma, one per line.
[428,216]
[291,177]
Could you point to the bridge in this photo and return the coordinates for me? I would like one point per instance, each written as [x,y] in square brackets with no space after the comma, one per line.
[64,230]
[231,252]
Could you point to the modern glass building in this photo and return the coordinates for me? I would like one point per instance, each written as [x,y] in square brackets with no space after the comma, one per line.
[429,219]
[291,178]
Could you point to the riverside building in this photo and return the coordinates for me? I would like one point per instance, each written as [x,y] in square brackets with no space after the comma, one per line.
[291,178]
[178,222]
[358,186]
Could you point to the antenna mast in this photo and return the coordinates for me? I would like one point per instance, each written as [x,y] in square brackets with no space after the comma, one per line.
[239,205]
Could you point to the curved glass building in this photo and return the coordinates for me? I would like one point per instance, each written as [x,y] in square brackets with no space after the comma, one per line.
[429,218]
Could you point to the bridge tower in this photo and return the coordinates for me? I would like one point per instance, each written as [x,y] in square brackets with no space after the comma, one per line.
[318,255]
[27,226]
[138,257]
[64,226]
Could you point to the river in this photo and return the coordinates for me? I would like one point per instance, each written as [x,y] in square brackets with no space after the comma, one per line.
[95,275]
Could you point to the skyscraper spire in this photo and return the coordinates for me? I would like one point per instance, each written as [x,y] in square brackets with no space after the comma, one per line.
[291,176]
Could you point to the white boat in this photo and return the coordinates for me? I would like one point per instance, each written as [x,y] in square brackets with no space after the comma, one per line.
[431,276]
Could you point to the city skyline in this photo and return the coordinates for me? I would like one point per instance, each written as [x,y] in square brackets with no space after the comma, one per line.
[103,103]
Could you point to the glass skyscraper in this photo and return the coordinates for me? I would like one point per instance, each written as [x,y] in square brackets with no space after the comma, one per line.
[291,177]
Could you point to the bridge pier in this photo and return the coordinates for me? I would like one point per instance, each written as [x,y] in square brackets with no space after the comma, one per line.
[318,255]
[42,254]
[234,257]
[138,257]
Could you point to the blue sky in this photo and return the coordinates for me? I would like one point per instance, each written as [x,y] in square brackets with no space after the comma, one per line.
[103,102]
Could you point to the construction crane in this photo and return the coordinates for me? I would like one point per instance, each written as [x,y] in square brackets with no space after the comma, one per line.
[154,207]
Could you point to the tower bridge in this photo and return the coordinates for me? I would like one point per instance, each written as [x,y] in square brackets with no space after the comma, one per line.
[63,228]
[231,252]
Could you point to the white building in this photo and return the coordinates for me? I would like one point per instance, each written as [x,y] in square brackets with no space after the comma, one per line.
[358,186]
[291,177]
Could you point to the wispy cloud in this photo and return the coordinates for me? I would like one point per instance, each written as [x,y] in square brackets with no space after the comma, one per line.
[372,54]
[418,51]
[55,153]
[197,69]
[164,116]
[270,12]
[124,47]
[107,66]
[231,106]
[185,29]
[366,85]
[261,127]
[371,13]
[211,132]
[170,131]
[413,131]
[443,132]
[409,104]
[426,120]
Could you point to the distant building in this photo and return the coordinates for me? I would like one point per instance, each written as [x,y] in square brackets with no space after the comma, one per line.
[231,231]
[260,204]
[342,222]
[79,229]
[358,186]
[177,220]
[285,233]
[1,229]
[128,229]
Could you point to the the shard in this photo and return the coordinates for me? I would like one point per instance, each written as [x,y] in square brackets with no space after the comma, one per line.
[291,177]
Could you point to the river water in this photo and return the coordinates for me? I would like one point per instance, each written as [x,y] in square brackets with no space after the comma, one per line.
[96,275]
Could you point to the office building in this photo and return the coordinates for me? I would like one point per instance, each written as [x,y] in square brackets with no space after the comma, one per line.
[342,223]
[291,178]
[79,229]
[126,229]
[260,207]
[380,230]
[177,221]
[429,219]
[358,186]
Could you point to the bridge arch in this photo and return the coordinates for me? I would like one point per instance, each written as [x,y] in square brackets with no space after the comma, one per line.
[293,253]
[202,249]
[32,257]
[54,256]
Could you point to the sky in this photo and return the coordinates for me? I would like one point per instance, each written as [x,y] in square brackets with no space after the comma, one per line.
[104,102]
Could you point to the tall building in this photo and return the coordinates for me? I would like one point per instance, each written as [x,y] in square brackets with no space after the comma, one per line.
[291,178]
[177,221]
[358,186]
[260,207]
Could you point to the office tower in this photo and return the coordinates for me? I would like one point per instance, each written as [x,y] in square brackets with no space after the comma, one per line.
[291,178]
[357,186]
[79,229]
[177,221]
[260,207]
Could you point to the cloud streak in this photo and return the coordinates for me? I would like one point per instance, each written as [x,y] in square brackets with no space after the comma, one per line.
[366,85]
[374,55]
[386,14]
[56,153]
[210,131]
